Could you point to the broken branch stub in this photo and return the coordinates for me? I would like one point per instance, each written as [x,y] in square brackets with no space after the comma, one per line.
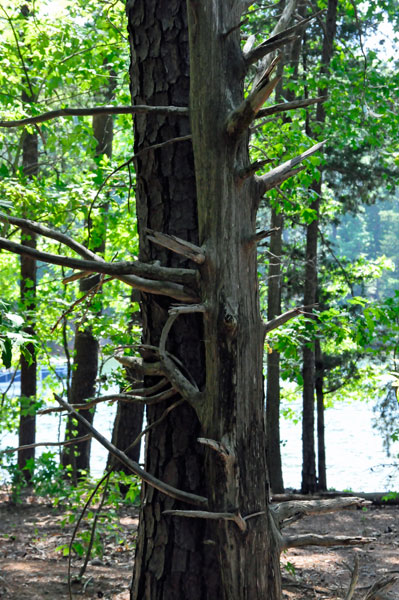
[279,174]
[241,118]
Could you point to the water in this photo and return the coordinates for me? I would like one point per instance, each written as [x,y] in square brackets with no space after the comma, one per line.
[354,449]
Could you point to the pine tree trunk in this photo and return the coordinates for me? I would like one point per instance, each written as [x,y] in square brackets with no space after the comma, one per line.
[273,359]
[173,558]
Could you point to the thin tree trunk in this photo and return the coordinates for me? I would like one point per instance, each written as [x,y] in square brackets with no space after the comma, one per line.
[128,421]
[321,445]
[309,482]
[86,345]
[28,360]
[273,359]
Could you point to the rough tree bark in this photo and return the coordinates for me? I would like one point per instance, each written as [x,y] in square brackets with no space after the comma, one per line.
[232,413]
[173,559]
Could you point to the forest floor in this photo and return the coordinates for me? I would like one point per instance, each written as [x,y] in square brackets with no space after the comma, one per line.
[32,567]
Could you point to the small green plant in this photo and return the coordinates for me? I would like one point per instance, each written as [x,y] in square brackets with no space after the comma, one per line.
[14,478]
[48,477]
[92,540]
[290,568]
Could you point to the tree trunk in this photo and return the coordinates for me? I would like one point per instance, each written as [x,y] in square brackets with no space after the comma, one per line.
[233,406]
[27,418]
[28,360]
[273,359]
[309,482]
[128,421]
[86,345]
[173,559]
[321,444]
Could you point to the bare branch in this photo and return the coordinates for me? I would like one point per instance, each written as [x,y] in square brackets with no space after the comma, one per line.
[174,312]
[127,398]
[140,367]
[154,424]
[165,332]
[279,174]
[50,233]
[241,118]
[201,514]
[279,39]
[261,235]
[296,509]
[181,384]
[252,168]
[149,391]
[214,445]
[77,440]
[76,277]
[132,465]
[97,110]
[294,105]
[313,539]
[267,47]
[183,276]
[187,249]
[354,579]
[183,309]
[121,270]
[281,319]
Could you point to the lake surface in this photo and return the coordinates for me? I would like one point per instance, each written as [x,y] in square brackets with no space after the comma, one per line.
[355,455]
[354,450]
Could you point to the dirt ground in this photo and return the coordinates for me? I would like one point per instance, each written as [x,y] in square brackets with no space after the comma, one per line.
[31,567]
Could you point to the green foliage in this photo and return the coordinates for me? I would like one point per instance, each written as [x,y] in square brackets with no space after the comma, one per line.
[107,527]
[12,335]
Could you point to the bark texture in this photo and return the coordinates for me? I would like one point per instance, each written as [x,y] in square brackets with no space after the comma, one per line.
[173,559]
[233,411]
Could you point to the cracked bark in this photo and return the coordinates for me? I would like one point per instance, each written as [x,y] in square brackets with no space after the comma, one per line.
[172,557]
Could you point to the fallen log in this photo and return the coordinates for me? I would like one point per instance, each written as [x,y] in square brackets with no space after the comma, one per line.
[375,498]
